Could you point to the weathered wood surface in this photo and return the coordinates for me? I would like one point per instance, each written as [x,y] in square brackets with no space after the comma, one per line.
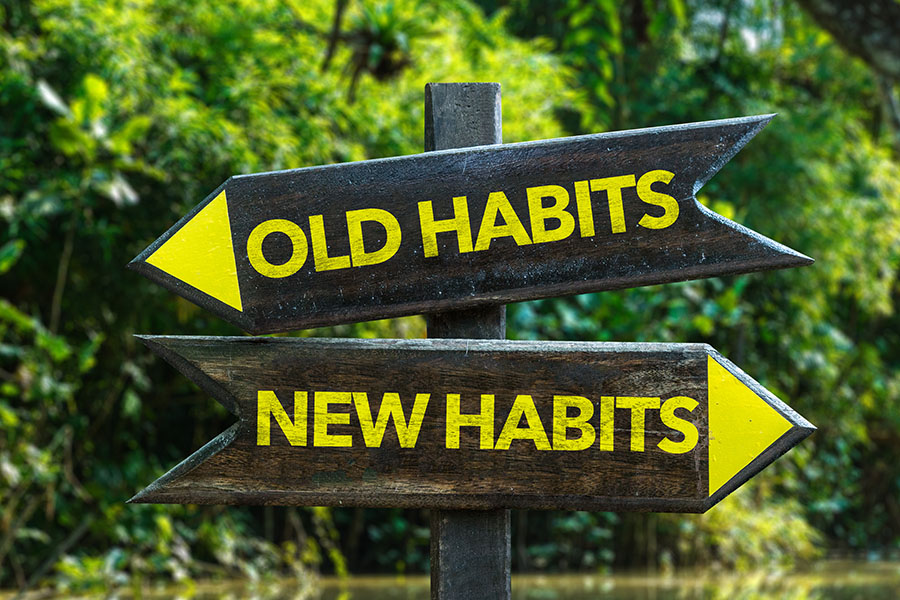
[623,468]
[234,254]
[459,115]
[470,555]
[470,550]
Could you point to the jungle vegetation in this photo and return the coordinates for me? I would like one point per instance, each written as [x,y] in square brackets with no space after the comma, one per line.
[116,117]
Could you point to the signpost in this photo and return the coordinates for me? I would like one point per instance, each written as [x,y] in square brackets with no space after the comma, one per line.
[471,553]
[468,427]
[474,424]
[455,229]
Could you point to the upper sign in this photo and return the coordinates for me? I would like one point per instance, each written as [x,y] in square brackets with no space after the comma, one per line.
[469,424]
[457,228]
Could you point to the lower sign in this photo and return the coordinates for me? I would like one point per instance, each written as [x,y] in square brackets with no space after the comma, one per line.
[473,424]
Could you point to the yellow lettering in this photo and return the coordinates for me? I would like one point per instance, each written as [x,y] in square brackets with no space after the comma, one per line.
[638,406]
[613,187]
[358,254]
[323,419]
[320,247]
[667,202]
[585,210]
[540,213]
[298,243]
[459,223]
[533,430]
[562,422]
[498,203]
[484,421]
[607,423]
[688,429]
[268,406]
[391,408]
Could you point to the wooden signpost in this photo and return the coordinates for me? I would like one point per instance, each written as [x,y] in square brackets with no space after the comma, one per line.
[468,427]
[453,229]
[474,424]
[471,550]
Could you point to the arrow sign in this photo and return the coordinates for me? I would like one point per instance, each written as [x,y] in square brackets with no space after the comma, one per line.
[458,228]
[474,424]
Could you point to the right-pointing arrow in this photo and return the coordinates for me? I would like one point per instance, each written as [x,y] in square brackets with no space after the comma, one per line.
[748,427]
[474,424]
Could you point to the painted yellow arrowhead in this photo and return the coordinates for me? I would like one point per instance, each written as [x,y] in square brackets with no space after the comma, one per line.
[201,254]
[741,425]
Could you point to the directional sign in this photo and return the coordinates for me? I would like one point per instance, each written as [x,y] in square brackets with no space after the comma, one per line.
[473,424]
[458,228]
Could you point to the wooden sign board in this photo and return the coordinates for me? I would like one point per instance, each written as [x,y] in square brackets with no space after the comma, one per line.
[474,424]
[461,228]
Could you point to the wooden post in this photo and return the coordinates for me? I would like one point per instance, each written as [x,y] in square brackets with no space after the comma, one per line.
[470,550]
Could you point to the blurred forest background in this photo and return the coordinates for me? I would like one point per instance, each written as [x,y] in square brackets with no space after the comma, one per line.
[118,116]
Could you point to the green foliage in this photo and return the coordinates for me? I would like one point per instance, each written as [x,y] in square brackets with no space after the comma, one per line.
[568,541]
[820,178]
[748,526]
[119,117]
[400,544]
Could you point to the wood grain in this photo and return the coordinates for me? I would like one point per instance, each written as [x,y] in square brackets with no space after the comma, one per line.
[233,469]
[470,551]
[698,244]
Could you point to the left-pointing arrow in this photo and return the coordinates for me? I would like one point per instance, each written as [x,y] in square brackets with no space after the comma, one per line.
[474,424]
[459,228]
[198,251]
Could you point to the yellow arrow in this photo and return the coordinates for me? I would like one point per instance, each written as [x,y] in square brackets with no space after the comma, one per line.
[201,254]
[741,425]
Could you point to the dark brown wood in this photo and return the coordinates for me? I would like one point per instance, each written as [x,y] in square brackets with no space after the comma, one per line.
[479,474]
[482,322]
[622,250]
[459,115]
[470,554]
[462,115]
[470,550]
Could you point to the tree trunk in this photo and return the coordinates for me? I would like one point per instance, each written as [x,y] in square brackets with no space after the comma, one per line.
[869,30]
